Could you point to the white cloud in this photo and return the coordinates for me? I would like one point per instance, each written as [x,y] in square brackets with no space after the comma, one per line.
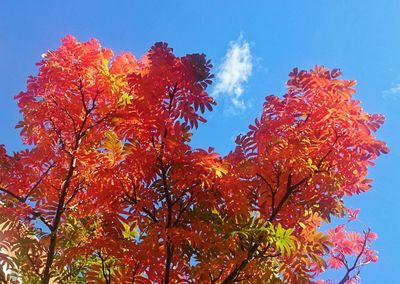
[392,93]
[234,71]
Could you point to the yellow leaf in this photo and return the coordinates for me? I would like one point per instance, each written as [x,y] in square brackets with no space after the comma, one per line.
[125,99]
[105,67]
[111,142]
[220,171]
[311,165]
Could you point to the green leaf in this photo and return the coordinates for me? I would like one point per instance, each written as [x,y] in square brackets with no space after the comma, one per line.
[285,241]
[129,232]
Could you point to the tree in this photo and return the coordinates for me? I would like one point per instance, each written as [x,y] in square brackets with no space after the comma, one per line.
[110,190]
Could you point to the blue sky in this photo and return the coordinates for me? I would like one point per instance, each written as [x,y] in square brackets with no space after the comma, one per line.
[267,38]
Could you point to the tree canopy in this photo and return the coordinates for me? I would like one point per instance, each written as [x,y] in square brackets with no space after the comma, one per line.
[109,189]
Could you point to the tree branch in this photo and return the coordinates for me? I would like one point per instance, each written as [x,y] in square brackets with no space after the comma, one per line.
[354,266]
[107,276]
[39,181]
[19,198]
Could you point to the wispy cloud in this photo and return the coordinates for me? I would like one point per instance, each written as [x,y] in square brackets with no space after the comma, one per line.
[393,93]
[234,71]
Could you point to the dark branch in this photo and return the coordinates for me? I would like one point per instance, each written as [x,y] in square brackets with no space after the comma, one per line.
[39,181]
[354,266]
[106,274]
[19,198]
